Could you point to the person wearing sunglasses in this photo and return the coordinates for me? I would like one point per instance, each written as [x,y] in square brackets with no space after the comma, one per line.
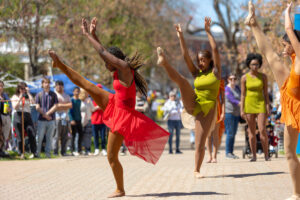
[232,113]
[255,103]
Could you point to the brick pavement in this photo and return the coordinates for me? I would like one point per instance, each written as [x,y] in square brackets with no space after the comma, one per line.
[172,178]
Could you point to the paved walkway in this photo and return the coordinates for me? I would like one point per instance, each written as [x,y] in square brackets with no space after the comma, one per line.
[172,178]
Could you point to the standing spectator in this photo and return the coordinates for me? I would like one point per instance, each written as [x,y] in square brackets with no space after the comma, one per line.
[86,109]
[99,128]
[46,104]
[22,93]
[232,114]
[141,104]
[62,119]
[255,103]
[75,119]
[172,111]
[5,121]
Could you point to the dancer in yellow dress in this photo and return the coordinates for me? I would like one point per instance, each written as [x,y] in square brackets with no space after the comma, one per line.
[255,103]
[200,102]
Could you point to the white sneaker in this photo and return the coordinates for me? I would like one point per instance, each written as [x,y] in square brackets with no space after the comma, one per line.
[31,156]
[103,152]
[96,153]
[75,153]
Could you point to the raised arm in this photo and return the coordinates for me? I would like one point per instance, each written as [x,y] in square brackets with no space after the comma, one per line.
[93,27]
[188,60]
[99,95]
[266,48]
[290,30]
[103,53]
[213,45]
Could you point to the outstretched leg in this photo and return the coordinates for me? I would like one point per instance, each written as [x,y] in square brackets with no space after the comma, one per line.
[265,46]
[187,91]
[100,96]
[114,143]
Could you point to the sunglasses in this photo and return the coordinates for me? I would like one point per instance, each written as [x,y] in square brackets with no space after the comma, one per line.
[232,78]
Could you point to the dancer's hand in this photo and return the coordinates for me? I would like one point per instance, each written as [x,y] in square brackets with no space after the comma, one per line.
[243,115]
[84,27]
[178,29]
[222,117]
[289,7]
[54,57]
[268,110]
[93,26]
[207,24]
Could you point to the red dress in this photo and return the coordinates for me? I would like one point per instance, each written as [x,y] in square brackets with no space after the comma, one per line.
[142,136]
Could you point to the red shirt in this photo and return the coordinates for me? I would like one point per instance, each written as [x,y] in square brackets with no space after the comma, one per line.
[97,116]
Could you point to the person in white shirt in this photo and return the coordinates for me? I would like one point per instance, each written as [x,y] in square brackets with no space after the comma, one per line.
[86,109]
[23,94]
[172,111]
[62,119]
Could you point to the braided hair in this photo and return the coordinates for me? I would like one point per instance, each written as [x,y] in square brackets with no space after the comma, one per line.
[134,63]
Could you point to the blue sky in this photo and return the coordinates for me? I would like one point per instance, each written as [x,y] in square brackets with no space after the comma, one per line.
[205,8]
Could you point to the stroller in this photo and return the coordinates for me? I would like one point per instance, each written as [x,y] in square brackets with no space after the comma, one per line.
[272,138]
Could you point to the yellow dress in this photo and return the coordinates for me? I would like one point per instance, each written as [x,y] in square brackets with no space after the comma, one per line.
[254,99]
[206,89]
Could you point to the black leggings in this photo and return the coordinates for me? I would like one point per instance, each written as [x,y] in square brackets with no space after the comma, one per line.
[77,128]
[29,129]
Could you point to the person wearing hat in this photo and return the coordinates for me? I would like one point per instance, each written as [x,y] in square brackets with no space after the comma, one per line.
[172,112]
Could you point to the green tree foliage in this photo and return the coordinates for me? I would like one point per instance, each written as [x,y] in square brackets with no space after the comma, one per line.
[11,64]
[135,25]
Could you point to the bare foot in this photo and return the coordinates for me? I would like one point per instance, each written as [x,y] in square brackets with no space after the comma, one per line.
[253,160]
[198,175]
[250,19]
[214,160]
[161,56]
[209,160]
[54,57]
[116,194]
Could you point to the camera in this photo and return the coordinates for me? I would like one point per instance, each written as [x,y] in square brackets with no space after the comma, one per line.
[25,95]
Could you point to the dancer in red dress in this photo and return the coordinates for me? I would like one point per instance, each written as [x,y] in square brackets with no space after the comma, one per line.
[143,137]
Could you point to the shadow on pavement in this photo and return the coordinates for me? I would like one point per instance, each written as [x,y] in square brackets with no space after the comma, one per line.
[245,175]
[172,194]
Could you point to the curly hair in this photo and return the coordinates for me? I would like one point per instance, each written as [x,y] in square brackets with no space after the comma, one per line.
[253,56]
[287,39]
[135,63]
